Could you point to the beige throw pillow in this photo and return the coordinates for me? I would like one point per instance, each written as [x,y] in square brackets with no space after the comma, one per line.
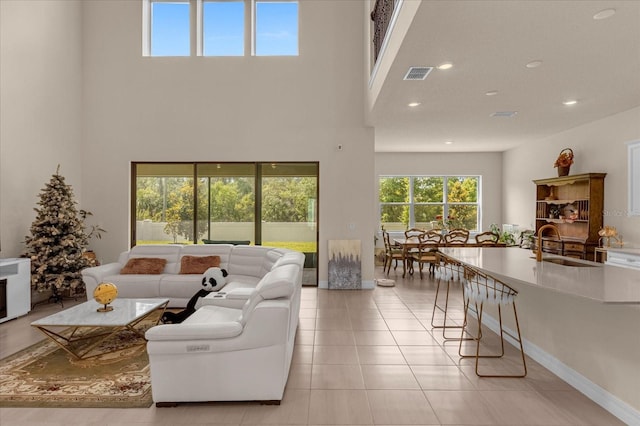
[198,264]
[144,265]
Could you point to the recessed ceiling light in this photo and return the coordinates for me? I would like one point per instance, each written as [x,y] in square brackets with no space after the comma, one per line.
[534,64]
[507,114]
[448,142]
[491,93]
[569,102]
[445,66]
[604,14]
[413,104]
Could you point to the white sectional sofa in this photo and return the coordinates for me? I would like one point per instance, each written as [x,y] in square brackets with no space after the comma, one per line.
[235,347]
[228,354]
[246,266]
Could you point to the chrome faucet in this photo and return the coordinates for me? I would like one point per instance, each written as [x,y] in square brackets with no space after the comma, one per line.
[540,231]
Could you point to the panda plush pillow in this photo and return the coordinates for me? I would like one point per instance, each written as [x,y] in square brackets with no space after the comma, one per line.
[213,279]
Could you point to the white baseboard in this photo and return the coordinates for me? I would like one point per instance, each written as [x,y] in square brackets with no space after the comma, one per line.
[597,394]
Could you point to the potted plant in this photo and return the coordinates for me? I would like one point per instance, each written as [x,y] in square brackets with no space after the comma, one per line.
[506,237]
[564,161]
[91,231]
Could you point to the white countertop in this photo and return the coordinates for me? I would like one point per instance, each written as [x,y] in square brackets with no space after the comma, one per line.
[604,283]
[633,251]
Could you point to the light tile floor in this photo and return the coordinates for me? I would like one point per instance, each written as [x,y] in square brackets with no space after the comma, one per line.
[361,357]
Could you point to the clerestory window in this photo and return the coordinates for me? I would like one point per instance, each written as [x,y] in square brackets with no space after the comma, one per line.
[220,28]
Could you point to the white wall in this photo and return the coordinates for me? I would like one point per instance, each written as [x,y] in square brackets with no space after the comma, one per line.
[599,146]
[487,165]
[229,109]
[40,108]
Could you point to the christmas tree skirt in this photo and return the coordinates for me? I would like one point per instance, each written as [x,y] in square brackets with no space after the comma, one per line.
[44,375]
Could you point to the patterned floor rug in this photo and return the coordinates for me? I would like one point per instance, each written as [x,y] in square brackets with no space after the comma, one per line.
[44,375]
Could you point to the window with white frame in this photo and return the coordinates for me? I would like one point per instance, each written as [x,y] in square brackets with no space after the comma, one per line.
[219,27]
[428,202]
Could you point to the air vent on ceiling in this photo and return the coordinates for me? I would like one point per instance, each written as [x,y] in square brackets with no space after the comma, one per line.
[417,73]
[507,114]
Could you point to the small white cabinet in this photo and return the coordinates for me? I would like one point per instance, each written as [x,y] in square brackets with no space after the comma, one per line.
[628,258]
[15,288]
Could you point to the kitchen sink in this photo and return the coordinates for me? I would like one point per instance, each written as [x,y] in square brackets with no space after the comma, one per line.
[567,262]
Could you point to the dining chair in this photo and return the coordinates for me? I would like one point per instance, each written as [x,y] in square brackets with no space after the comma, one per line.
[390,253]
[456,237]
[411,234]
[488,238]
[427,251]
[481,288]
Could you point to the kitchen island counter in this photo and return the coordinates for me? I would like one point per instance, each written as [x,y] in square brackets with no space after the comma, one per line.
[603,283]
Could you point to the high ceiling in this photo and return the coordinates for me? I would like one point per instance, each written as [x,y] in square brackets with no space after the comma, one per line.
[489,43]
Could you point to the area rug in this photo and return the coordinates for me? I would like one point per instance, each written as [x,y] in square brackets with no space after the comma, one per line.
[44,375]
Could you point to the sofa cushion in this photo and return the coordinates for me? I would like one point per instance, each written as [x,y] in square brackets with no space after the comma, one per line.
[278,283]
[290,258]
[248,260]
[208,322]
[144,265]
[198,264]
[135,285]
[182,286]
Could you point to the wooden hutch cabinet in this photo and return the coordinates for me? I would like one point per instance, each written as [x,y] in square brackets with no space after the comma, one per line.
[575,205]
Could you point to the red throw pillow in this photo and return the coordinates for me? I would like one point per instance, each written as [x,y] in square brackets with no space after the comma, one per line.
[144,265]
[198,264]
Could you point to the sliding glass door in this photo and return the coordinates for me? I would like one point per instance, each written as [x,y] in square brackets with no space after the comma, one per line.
[271,204]
[288,209]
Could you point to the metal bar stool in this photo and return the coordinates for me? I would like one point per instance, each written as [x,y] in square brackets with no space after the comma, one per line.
[448,270]
[481,288]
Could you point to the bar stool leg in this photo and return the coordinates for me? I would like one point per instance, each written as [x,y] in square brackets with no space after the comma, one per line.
[444,326]
[477,355]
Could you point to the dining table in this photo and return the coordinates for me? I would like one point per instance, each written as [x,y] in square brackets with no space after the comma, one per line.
[413,242]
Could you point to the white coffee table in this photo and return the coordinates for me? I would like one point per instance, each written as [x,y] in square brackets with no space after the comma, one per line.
[126,314]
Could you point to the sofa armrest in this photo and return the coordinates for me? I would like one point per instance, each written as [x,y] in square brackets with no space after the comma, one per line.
[240,293]
[95,275]
[173,332]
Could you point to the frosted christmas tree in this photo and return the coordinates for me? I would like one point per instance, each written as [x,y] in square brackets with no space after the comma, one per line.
[58,240]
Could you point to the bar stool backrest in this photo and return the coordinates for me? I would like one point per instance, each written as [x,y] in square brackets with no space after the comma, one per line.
[480,287]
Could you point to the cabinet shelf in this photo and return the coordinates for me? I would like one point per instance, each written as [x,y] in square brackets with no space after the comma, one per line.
[549,220]
[580,196]
[558,202]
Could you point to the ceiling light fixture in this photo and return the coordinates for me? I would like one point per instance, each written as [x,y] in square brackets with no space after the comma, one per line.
[569,102]
[448,142]
[445,66]
[491,93]
[506,114]
[413,104]
[604,14]
[534,64]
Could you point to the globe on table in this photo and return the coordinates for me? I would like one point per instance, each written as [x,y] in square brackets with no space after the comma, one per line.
[104,294]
